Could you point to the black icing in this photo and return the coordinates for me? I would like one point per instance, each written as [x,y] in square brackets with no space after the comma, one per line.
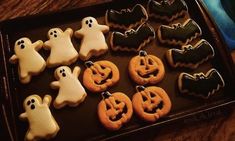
[89,23]
[133,39]
[140,88]
[22,46]
[192,55]
[163,8]
[126,17]
[106,94]
[62,71]
[180,32]
[30,103]
[201,84]
[32,107]
[88,64]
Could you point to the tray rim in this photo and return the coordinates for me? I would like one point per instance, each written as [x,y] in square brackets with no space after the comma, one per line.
[5,98]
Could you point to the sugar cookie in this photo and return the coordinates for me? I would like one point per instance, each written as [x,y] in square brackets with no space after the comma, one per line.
[126,18]
[179,34]
[166,11]
[200,84]
[146,69]
[100,75]
[93,40]
[190,56]
[42,124]
[71,91]
[132,40]
[151,103]
[61,47]
[30,61]
[114,110]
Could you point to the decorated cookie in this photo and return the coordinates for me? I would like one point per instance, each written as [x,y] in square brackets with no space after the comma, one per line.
[42,124]
[146,69]
[179,34]
[30,61]
[71,91]
[190,56]
[200,84]
[100,75]
[166,11]
[132,40]
[114,110]
[151,103]
[93,40]
[126,18]
[61,47]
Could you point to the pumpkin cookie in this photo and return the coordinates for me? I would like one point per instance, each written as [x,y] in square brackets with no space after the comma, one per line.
[100,75]
[114,110]
[146,69]
[151,103]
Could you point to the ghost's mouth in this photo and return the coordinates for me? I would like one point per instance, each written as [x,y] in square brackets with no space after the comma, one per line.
[148,75]
[63,74]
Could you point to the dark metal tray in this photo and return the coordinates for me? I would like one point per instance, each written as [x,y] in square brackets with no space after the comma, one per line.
[81,123]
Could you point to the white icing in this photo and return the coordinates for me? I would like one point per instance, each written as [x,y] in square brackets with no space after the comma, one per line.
[41,122]
[93,40]
[61,46]
[71,91]
[30,61]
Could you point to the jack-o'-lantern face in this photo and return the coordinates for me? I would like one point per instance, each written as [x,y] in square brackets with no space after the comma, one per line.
[146,69]
[151,103]
[100,75]
[114,110]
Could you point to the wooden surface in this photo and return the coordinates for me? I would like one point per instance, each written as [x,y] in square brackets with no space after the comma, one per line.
[215,126]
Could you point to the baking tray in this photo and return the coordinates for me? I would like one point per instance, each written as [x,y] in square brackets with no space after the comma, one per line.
[81,123]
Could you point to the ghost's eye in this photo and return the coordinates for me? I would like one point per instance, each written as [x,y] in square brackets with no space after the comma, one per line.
[32,100]
[51,33]
[28,102]
[18,43]
[22,41]
[87,22]
[54,31]
[90,21]
[61,71]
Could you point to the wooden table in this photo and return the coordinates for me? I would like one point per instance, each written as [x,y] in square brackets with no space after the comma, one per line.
[214,126]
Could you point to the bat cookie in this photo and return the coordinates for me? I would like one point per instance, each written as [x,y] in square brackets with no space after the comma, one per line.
[100,75]
[190,56]
[126,19]
[62,51]
[146,69]
[132,40]
[114,110]
[179,34]
[29,60]
[151,103]
[200,84]
[93,41]
[42,124]
[71,91]
[166,11]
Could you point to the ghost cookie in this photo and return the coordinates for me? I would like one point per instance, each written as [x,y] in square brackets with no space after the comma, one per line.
[42,124]
[30,61]
[93,40]
[71,91]
[61,47]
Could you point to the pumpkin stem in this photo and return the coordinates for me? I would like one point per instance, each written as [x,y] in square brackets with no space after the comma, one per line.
[140,88]
[106,94]
[88,64]
[142,53]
